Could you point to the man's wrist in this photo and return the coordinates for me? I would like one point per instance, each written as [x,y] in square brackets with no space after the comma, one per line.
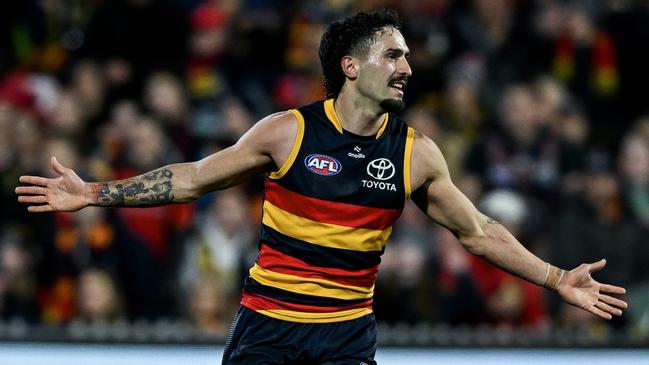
[553,277]
[90,193]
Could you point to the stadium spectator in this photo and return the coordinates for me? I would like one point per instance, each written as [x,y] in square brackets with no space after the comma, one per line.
[215,249]
[98,298]
[18,281]
[526,89]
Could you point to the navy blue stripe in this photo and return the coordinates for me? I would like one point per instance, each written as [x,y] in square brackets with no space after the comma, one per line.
[319,255]
[253,286]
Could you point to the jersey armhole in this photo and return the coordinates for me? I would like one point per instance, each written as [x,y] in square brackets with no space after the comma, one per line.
[407,156]
[296,147]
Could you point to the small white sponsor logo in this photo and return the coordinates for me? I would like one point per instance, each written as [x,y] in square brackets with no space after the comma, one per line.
[381,169]
[381,185]
[357,153]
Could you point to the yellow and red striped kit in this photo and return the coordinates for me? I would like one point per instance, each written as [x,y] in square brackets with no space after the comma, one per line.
[327,214]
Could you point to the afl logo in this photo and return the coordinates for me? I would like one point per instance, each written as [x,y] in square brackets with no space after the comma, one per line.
[381,169]
[322,164]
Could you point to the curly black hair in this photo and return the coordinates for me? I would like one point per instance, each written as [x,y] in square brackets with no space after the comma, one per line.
[350,36]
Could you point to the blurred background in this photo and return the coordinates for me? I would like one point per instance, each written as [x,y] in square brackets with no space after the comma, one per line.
[540,107]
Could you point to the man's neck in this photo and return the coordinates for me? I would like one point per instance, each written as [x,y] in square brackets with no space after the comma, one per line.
[358,116]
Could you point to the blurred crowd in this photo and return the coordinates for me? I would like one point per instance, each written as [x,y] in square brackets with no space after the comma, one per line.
[539,107]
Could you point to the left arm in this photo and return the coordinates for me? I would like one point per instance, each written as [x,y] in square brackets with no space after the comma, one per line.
[442,201]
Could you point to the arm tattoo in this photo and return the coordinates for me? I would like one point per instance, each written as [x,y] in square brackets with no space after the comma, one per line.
[150,189]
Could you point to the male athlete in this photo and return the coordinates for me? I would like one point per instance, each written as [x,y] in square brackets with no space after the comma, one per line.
[338,174]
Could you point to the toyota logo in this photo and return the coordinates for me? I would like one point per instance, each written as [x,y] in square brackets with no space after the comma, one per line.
[381,169]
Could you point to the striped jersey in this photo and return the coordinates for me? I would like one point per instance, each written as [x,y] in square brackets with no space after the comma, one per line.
[327,214]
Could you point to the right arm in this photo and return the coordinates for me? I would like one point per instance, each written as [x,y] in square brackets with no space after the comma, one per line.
[262,149]
[441,200]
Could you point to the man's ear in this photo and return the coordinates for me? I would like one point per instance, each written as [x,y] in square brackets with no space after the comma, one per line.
[349,66]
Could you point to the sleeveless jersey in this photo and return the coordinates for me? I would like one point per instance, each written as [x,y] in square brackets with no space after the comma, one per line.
[327,214]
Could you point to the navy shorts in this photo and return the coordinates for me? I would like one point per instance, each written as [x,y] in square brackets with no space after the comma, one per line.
[256,339]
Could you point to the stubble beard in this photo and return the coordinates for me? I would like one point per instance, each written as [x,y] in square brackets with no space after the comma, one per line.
[392,105]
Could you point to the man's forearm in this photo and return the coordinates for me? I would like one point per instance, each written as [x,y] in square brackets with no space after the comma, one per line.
[503,250]
[154,188]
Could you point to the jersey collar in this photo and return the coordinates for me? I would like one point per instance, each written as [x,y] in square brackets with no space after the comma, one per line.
[333,118]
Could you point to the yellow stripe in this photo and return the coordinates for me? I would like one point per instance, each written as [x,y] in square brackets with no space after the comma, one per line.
[309,286]
[305,317]
[296,147]
[383,126]
[331,114]
[406,162]
[323,234]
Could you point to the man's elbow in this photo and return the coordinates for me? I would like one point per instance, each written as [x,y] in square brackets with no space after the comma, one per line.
[185,194]
[473,243]
[187,188]
[188,196]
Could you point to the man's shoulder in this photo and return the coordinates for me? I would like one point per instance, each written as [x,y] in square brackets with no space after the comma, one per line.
[285,118]
[428,160]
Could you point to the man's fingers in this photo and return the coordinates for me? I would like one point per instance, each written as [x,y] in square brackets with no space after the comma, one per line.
[605,288]
[600,313]
[34,180]
[32,199]
[39,208]
[612,301]
[60,169]
[597,265]
[31,190]
[608,309]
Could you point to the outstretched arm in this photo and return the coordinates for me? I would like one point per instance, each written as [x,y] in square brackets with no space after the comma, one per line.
[263,148]
[441,200]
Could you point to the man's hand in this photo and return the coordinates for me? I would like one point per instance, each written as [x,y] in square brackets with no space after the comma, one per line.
[64,193]
[580,289]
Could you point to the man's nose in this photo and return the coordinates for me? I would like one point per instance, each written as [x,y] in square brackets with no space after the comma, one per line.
[403,67]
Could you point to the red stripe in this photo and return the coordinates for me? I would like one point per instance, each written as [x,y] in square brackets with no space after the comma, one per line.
[260,302]
[279,262]
[324,211]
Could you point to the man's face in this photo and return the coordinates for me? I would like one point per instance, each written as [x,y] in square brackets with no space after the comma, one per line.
[384,72]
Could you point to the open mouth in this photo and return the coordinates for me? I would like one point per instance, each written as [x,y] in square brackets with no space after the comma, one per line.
[398,85]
